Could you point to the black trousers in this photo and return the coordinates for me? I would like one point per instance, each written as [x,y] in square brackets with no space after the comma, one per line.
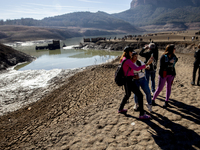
[130,86]
[196,67]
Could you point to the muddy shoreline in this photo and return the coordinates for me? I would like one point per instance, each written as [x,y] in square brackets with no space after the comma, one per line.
[81,113]
[185,41]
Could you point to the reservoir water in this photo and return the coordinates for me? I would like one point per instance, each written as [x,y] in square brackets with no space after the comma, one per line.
[50,70]
[67,57]
[64,58]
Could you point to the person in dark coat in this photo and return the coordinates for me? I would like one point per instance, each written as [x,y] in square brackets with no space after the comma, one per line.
[196,66]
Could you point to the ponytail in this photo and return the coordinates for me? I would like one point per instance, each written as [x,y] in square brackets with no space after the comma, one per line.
[125,54]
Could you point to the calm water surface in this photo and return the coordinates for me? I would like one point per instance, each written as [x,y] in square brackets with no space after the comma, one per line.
[64,58]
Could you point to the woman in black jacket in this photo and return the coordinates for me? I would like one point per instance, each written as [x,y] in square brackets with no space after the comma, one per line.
[167,73]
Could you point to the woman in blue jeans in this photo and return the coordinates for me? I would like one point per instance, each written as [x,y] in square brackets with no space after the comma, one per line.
[141,81]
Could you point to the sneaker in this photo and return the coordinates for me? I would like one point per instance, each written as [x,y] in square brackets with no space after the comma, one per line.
[145,116]
[192,83]
[123,111]
[136,106]
[153,103]
[166,104]
[149,107]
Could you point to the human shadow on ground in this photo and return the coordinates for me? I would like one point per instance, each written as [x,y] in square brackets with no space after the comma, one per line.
[188,112]
[170,135]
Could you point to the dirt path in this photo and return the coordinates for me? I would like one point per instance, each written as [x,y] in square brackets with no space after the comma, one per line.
[82,114]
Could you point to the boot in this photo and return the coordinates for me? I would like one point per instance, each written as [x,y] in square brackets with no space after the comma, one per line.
[166,104]
[153,103]
[198,83]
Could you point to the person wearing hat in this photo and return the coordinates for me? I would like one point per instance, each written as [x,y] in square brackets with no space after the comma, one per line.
[130,85]
[196,66]
[150,72]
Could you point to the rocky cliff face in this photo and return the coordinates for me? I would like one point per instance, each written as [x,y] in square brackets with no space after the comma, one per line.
[166,3]
[136,3]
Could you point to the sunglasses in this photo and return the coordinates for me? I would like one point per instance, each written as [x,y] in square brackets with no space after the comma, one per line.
[134,53]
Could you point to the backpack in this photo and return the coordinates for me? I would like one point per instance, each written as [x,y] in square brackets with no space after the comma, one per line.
[119,74]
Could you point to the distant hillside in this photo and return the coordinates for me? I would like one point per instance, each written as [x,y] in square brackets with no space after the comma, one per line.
[16,33]
[13,33]
[161,12]
[98,21]
[142,15]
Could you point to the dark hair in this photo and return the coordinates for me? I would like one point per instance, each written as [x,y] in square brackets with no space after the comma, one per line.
[127,49]
[125,54]
[137,61]
[169,49]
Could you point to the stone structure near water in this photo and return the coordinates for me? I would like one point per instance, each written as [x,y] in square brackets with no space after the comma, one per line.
[53,46]
[94,40]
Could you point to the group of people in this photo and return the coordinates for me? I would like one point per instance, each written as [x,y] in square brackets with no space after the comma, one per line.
[138,74]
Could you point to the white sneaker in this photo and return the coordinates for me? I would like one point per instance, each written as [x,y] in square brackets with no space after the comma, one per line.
[135,107]
[149,107]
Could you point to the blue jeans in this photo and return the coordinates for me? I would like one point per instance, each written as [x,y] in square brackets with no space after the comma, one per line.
[142,82]
[151,74]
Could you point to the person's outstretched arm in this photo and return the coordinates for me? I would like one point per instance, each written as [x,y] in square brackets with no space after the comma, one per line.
[142,53]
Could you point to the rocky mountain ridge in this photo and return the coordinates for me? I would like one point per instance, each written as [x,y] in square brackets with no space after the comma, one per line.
[166,3]
[180,14]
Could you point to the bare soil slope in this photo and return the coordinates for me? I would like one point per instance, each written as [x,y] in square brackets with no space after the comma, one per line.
[82,114]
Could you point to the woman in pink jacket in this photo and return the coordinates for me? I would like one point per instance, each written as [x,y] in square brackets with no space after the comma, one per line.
[130,85]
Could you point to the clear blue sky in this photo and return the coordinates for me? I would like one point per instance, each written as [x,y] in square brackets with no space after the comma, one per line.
[39,9]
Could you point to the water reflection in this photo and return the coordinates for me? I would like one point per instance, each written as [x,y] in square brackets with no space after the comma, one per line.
[55,52]
[67,59]
[91,53]
[63,58]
